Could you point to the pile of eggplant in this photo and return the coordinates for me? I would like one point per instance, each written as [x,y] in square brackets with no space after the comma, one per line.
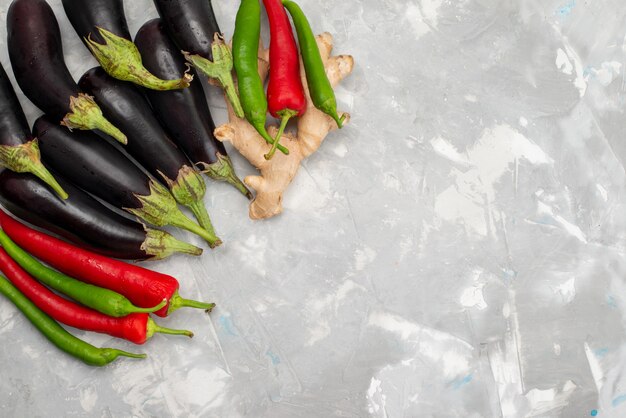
[70,174]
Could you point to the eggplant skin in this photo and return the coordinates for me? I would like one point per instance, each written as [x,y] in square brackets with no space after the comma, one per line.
[14,129]
[85,15]
[190,23]
[184,113]
[80,219]
[36,53]
[96,165]
[128,109]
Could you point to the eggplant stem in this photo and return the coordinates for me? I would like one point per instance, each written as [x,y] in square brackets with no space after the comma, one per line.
[223,170]
[85,114]
[26,158]
[160,244]
[121,59]
[44,175]
[220,69]
[201,214]
[181,221]
[108,128]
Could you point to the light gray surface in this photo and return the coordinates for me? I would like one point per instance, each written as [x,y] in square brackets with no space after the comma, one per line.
[456,251]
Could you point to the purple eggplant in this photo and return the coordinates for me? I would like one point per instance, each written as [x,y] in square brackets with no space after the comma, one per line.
[149,144]
[19,151]
[102,170]
[184,113]
[102,26]
[36,53]
[193,27]
[84,221]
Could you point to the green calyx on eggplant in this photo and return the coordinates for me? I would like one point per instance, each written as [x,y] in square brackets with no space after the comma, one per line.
[184,113]
[36,53]
[104,171]
[150,144]
[193,27]
[19,151]
[101,24]
[84,221]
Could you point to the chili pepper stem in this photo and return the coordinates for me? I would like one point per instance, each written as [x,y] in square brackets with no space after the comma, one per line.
[220,69]
[320,89]
[339,120]
[177,302]
[101,299]
[148,310]
[113,353]
[152,328]
[285,115]
[56,334]
[263,132]
[26,158]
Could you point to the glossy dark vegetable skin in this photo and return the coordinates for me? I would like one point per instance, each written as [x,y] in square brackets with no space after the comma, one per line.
[194,29]
[190,23]
[14,130]
[149,143]
[91,164]
[36,52]
[85,15]
[19,151]
[102,26]
[104,171]
[125,105]
[80,219]
[184,113]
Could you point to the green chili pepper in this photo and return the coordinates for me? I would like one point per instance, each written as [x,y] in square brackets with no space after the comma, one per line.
[57,334]
[321,91]
[102,300]
[245,57]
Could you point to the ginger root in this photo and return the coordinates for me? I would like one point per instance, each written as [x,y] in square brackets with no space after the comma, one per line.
[277,173]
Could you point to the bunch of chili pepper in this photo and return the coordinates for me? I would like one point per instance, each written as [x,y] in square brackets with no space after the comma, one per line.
[285,93]
[112,297]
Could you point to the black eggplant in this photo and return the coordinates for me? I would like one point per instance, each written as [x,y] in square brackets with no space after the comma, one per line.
[193,27]
[36,53]
[19,151]
[102,170]
[184,113]
[149,143]
[101,24]
[84,221]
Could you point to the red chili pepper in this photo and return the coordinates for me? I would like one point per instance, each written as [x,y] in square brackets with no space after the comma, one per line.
[141,286]
[285,93]
[136,327]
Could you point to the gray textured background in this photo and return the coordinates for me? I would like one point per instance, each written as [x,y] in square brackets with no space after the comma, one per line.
[456,251]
